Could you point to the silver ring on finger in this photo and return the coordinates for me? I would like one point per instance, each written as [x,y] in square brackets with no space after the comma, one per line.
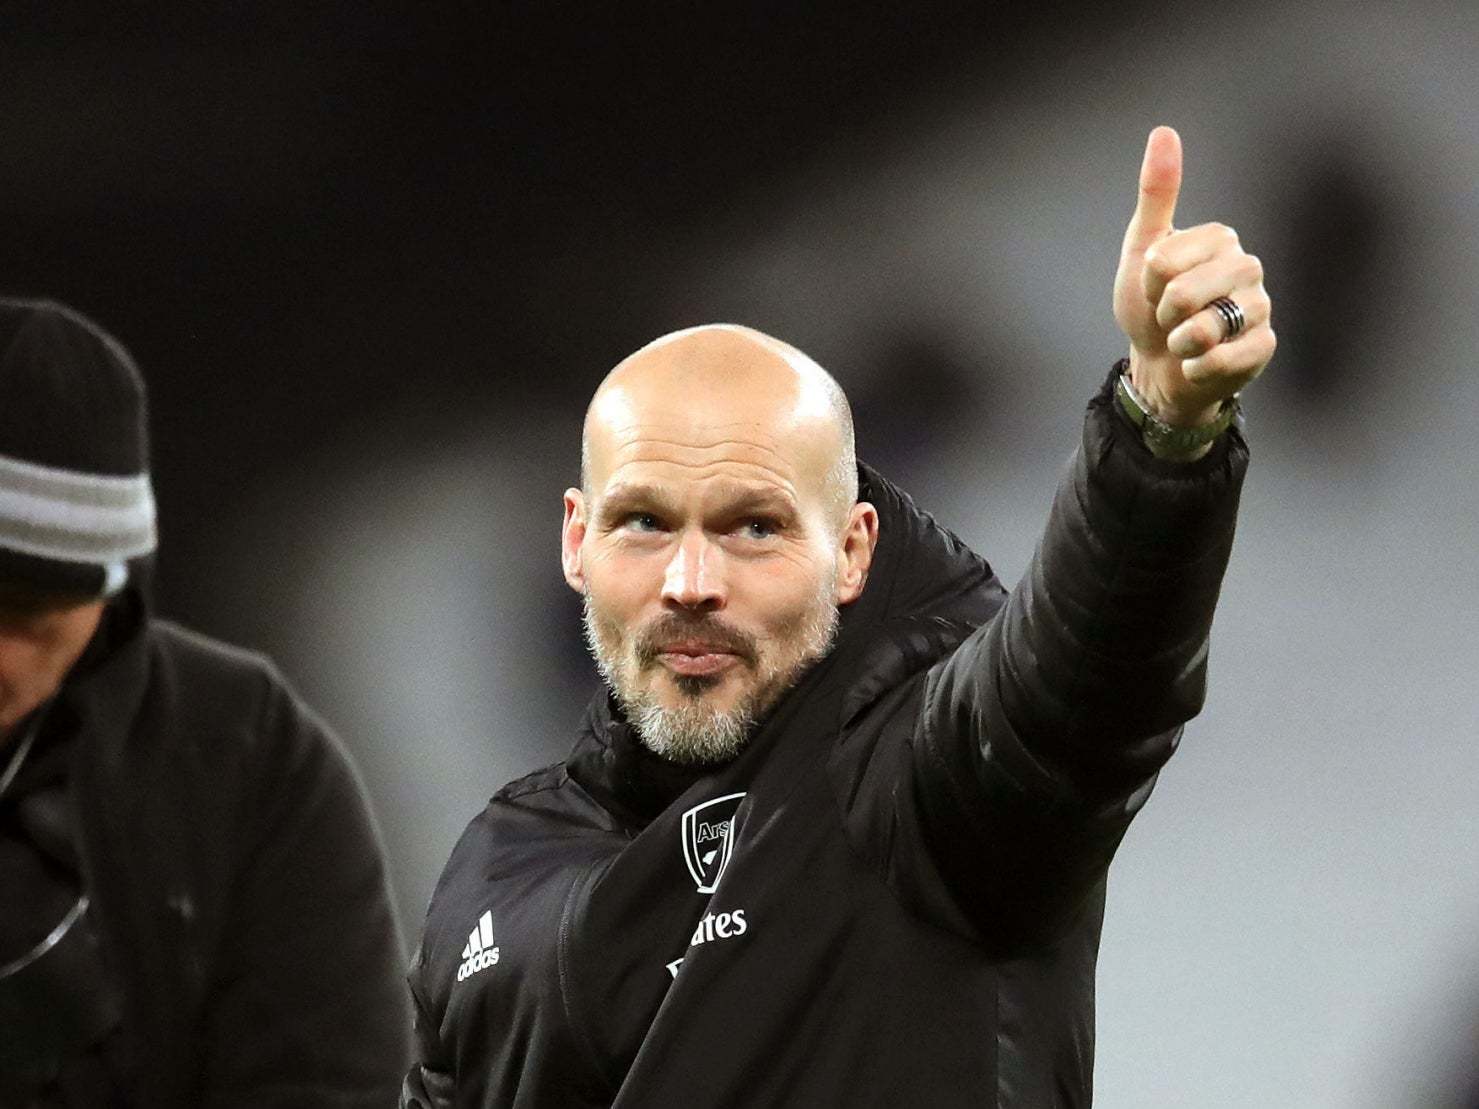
[1231,315]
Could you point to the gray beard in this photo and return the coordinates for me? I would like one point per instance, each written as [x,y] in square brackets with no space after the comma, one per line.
[693,732]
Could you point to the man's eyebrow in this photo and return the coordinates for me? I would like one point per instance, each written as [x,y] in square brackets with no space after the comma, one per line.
[627,497]
[728,500]
[739,500]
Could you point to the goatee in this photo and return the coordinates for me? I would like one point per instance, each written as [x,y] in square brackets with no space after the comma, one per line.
[693,731]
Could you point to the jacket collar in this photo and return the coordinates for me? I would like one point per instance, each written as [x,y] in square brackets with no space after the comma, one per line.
[101,695]
[628,780]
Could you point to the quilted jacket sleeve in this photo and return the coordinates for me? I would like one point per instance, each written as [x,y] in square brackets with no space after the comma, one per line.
[1041,735]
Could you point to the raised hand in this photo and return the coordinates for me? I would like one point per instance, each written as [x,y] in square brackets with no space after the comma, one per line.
[1183,359]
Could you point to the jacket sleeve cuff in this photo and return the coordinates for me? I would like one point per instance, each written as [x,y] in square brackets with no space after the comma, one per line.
[1162,500]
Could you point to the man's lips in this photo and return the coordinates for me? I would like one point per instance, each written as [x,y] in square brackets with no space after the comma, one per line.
[696,659]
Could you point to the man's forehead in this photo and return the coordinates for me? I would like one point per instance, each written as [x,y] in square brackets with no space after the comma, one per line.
[699,404]
[686,446]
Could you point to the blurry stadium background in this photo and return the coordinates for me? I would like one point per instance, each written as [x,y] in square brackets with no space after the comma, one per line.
[373,262]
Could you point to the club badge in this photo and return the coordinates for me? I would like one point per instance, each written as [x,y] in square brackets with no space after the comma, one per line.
[708,839]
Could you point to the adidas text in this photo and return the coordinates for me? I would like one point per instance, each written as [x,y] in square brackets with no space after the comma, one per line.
[479,954]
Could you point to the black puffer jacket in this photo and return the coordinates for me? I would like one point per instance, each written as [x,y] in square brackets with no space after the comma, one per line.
[237,890]
[912,849]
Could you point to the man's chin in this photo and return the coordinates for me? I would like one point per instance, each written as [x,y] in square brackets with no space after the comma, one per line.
[675,692]
[708,728]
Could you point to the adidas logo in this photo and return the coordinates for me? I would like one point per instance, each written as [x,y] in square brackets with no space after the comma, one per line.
[479,954]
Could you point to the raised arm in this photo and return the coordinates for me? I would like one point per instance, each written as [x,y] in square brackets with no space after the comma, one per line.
[1040,737]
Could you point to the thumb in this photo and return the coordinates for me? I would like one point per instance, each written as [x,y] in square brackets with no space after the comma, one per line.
[1160,182]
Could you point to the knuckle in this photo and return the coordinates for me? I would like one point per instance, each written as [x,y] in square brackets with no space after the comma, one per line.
[1227,234]
[1252,267]
[1178,298]
[1159,265]
[1209,362]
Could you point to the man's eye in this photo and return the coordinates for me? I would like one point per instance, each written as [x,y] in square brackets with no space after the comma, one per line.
[641,521]
[759,528]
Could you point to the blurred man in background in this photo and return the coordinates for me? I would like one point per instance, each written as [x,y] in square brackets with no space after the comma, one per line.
[196,909]
[838,832]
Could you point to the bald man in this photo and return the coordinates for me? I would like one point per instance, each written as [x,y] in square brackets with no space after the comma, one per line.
[836,830]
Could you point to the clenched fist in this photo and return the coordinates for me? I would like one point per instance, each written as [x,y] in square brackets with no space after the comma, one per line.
[1179,362]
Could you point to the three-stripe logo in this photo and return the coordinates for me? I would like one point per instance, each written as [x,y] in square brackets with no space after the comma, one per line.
[479,954]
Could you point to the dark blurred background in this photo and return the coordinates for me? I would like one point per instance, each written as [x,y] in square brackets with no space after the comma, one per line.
[373,260]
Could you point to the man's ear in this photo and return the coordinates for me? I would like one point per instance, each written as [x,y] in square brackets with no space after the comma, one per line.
[572,535]
[855,552]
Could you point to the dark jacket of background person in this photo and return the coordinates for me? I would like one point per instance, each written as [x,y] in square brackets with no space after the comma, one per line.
[914,862]
[195,908]
[237,891]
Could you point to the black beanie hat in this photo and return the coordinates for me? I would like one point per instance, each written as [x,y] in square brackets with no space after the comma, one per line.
[76,506]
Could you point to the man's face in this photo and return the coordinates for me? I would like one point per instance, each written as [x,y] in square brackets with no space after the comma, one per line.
[41,638]
[701,616]
[710,557]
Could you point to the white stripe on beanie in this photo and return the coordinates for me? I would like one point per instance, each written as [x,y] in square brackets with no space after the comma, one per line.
[70,516]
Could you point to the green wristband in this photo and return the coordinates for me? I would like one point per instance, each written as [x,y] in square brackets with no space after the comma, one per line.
[1165,440]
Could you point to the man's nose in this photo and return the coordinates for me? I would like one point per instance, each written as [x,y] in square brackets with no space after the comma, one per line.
[694,577]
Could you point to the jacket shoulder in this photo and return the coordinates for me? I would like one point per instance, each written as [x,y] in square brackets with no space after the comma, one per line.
[216,673]
[534,829]
[527,790]
[227,703]
[207,657]
[519,821]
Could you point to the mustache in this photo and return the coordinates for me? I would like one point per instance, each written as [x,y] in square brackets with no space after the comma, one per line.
[684,626]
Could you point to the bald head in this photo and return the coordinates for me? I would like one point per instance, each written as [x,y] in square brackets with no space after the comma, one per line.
[717,533]
[699,389]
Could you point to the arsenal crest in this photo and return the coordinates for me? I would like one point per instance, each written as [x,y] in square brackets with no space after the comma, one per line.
[708,839]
